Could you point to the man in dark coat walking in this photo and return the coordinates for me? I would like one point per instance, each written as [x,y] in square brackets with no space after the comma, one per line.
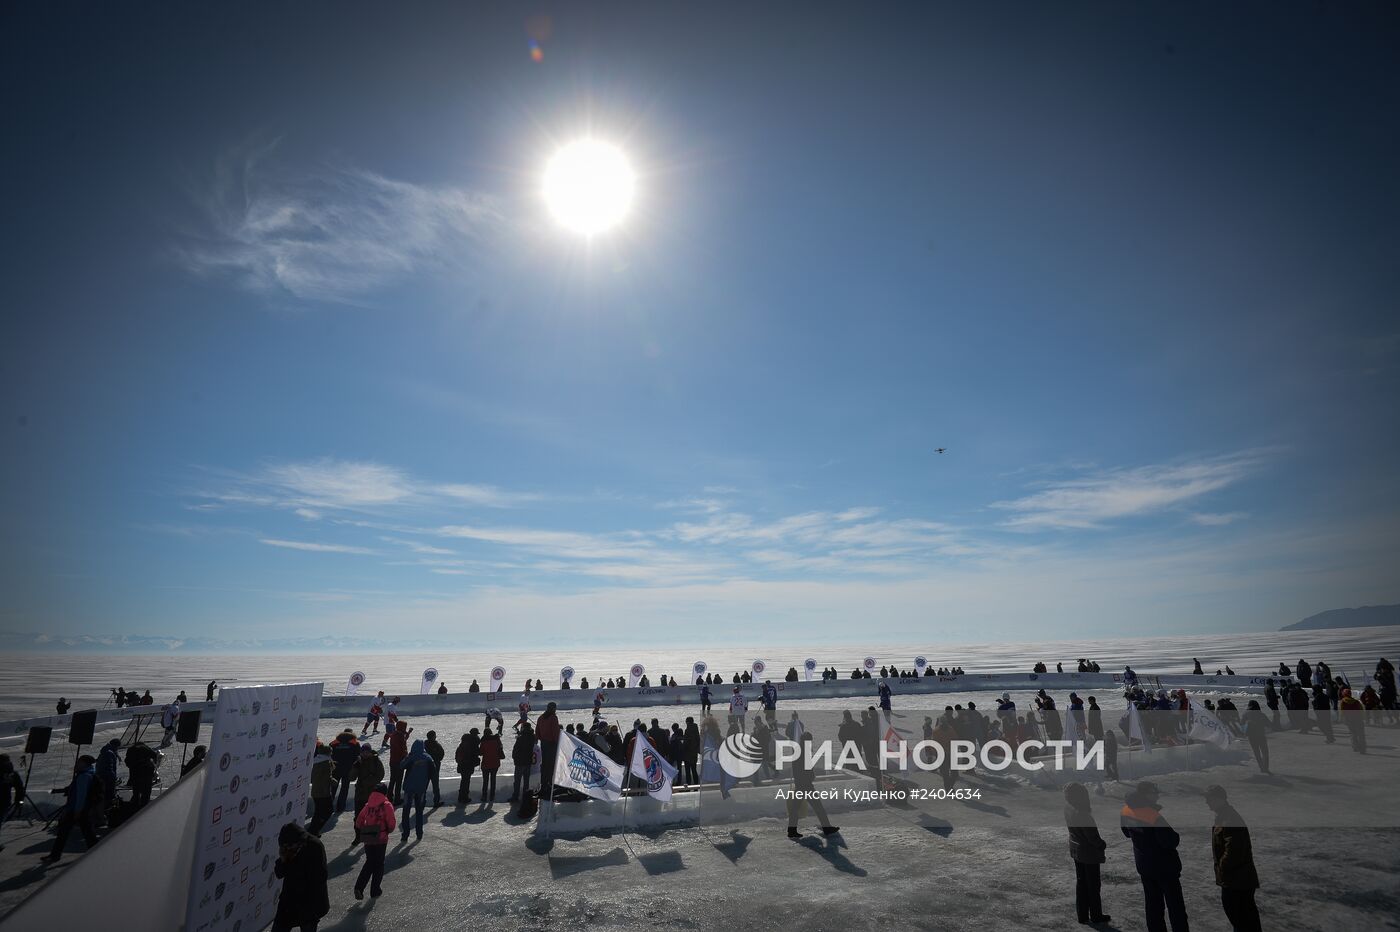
[301,863]
[1154,853]
[1234,863]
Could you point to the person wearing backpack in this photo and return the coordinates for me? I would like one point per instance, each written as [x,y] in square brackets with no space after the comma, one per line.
[418,769]
[372,828]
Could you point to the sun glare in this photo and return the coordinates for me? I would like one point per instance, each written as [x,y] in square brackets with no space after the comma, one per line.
[588,186]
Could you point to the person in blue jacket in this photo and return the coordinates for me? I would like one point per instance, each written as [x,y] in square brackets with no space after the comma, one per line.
[107,763]
[1154,853]
[84,794]
[418,769]
[884,695]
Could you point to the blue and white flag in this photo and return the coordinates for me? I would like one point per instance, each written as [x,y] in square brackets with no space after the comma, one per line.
[1206,727]
[651,768]
[584,768]
[809,666]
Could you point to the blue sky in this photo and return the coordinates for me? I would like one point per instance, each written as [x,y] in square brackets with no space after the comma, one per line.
[291,345]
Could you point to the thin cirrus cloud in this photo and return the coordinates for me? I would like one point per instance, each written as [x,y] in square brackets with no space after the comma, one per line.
[335,235]
[1098,500]
[313,489]
[315,547]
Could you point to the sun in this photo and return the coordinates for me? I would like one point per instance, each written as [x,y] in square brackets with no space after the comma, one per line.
[588,186]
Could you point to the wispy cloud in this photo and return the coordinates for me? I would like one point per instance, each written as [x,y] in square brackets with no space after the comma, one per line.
[313,488]
[336,235]
[1094,501]
[314,547]
[1207,519]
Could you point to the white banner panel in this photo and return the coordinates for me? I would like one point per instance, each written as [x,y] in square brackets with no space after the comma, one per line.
[258,778]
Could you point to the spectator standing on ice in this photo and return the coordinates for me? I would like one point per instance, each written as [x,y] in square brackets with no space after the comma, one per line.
[1086,849]
[1095,720]
[1154,853]
[468,755]
[301,864]
[108,760]
[884,695]
[398,750]
[416,774]
[1354,717]
[209,690]
[84,802]
[1323,709]
[804,784]
[522,755]
[373,824]
[368,774]
[492,752]
[141,764]
[169,717]
[1233,854]
[691,753]
[437,753]
[1256,729]
[547,731]
[322,789]
[345,753]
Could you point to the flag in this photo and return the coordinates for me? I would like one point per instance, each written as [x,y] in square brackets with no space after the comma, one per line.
[697,670]
[1135,729]
[710,770]
[809,666]
[1206,727]
[566,676]
[758,667]
[869,664]
[919,664]
[584,768]
[651,768]
[353,684]
[429,678]
[634,675]
[497,679]
[1073,733]
[892,738]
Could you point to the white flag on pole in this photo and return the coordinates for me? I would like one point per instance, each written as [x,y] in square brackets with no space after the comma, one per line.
[584,768]
[429,681]
[1206,727]
[651,768]
[758,667]
[869,664]
[697,670]
[1135,729]
[498,678]
[920,663]
[353,684]
[1073,732]
[566,676]
[634,675]
[809,666]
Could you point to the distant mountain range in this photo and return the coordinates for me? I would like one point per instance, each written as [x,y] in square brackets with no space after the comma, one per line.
[1367,616]
[136,644]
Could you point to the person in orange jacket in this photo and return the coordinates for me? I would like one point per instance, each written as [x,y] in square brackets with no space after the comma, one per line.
[372,827]
[1354,715]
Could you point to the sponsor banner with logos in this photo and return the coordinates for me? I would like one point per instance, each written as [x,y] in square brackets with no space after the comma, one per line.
[352,685]
[257,780]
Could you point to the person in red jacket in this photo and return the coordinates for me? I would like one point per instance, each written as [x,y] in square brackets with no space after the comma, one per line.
[398,750]
[547,731]
[372,827]
[492,751]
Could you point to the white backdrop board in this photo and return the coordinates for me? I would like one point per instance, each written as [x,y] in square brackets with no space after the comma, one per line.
[259,775]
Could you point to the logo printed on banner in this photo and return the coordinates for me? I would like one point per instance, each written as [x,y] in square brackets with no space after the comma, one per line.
[699,668]
[586,769]
[656,778]
[868,663]
[758,667]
